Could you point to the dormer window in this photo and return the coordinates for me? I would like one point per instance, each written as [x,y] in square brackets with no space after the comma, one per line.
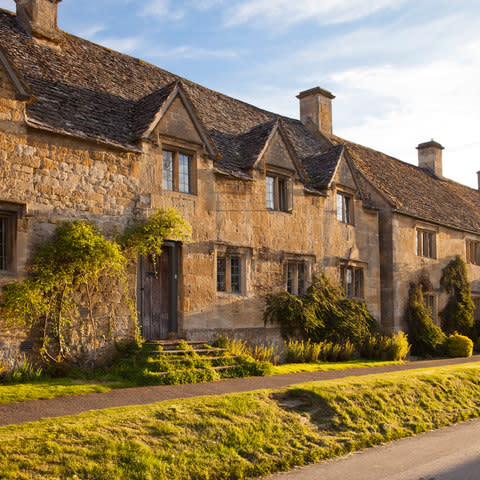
[178,171]
[279,193]
[344,208]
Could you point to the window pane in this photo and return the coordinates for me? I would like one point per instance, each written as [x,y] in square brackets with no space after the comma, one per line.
[235,275]
[184,173]
[358,283]
[3,243]
[270,181]
[347,203]
[290,273]
[167,170]
[340,207]
[221,274]
[349,281]
[301,278]
[282,195]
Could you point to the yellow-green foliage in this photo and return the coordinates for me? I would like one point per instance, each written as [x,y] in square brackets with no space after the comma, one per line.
[75,258]
[458,346]
[147,237]
[384,347]
[240,436]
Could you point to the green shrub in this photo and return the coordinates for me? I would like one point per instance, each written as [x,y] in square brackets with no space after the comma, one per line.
[426,337]
[399,347]
[458,313]
[323,314]
[458,346]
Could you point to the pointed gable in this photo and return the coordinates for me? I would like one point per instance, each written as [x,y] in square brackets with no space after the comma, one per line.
[169,112]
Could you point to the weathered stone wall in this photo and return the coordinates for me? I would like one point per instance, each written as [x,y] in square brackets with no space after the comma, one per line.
[408,267]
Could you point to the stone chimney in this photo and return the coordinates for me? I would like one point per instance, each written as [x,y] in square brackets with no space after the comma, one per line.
[430,157]
[316,109]
[478,175]
[39,18]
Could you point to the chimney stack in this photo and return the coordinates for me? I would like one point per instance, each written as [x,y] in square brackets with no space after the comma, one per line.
[430,157]
[478,175]
[39,18]
[316,109]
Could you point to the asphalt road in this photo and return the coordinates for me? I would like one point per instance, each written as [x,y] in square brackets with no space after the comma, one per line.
[451,453]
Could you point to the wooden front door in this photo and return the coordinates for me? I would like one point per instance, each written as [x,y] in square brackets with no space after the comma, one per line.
[158,294]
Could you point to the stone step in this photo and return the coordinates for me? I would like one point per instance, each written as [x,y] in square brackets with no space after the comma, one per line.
[204,351]
[220,368]
[209,359]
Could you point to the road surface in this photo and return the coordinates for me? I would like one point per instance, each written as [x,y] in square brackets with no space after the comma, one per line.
[451,453]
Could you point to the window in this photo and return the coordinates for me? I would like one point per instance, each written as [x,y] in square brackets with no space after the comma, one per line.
[279,193]
[430,303]
[426,244]
[473,252]
[476,314]
[9,213]
[344,208]
[177,172]
[351,279]
[296,278]
[229,274]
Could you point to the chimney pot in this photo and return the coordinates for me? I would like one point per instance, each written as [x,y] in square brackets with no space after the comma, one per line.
[430,157]
[316,109]
[478,175]
[39,18]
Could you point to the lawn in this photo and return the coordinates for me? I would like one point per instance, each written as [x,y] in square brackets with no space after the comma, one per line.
[241,435]
[51,388]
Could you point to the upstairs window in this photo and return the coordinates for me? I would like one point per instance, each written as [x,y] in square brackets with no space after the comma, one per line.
[344,208]
[229,274]
[426,246]
[351,279]
[178,172]
[296,278]
[473,252]
[279,193]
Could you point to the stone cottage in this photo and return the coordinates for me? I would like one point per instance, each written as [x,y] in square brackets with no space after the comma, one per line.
[90,133]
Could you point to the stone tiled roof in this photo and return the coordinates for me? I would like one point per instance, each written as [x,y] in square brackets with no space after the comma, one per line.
[415,191]
[321,166]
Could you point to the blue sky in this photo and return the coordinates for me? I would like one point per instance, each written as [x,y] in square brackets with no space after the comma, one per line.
[403,71]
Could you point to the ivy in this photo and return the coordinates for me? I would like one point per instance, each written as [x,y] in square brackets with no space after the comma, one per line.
[147,237]
[74,260]
[458,314]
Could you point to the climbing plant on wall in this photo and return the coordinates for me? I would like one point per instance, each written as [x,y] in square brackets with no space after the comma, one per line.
[72,261]
[458,313]
[147,237]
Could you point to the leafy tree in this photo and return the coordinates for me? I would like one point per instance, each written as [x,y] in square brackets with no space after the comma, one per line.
[457,316]
[425,337]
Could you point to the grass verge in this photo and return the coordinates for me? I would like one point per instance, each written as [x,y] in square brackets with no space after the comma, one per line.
[327,366]
[242,435]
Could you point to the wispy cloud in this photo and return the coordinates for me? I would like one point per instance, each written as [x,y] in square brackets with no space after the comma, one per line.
[90,31]
[162,9]
[188,51]
[288,12]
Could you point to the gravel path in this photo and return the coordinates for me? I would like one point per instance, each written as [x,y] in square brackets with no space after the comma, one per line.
[16,413]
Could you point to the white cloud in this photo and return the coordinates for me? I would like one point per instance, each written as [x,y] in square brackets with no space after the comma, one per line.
[287,12]
[188,51]
[8,5]
[161,9]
